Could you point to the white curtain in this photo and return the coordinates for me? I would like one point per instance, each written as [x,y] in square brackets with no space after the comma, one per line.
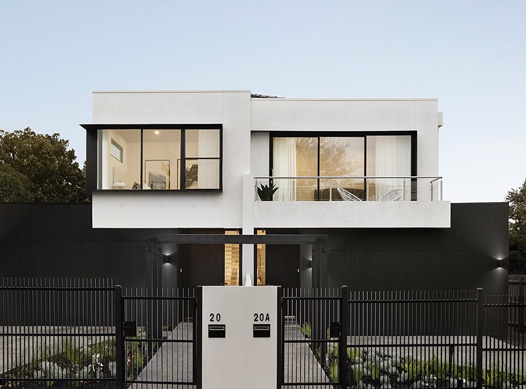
[393,158]
[284,152]
[208,169]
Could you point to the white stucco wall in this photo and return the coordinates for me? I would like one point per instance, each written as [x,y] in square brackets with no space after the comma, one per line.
[302,115]
[246,125]
[178,209]
[352,214]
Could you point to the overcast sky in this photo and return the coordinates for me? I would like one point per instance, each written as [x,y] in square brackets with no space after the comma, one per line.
[471,55]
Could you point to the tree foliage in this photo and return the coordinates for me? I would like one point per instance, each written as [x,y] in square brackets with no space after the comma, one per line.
[517,229]
[46,162]
[14,186]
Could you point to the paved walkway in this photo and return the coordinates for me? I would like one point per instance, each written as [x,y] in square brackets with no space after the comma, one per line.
[300,364]
[173,362]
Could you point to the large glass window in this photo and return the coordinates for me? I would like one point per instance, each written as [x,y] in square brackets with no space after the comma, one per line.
[121,163]
[156,159]
[161,151]
[202,162]
[340,156]
[388,156]
[295,157]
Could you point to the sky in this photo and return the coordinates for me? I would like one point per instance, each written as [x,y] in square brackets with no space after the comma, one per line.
[471,55]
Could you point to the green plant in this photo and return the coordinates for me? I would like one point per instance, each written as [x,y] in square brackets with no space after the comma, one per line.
[414,368]
[357,375]
[469,372]
[520,378]
[333,371]
[437,368]
[353,353]
[306,330]
[266,192]
[494,377]
[375,372]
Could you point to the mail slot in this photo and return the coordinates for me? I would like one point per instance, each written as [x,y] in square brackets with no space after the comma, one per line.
[335,329]
[129,328]
[261,331]
[216,331]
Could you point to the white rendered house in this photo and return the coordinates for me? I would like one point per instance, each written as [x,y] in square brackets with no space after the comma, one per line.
[193,160]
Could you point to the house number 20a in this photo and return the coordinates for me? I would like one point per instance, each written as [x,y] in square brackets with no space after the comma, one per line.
[215,317]
[261,317]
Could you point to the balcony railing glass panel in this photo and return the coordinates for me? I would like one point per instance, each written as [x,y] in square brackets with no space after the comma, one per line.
[364,188]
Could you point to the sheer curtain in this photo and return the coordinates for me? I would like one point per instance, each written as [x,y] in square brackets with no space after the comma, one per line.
[208,172]
[393,158]
[284,164]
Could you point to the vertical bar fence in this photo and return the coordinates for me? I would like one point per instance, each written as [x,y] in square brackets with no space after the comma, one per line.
[74,333]
[56,332]
[159,338]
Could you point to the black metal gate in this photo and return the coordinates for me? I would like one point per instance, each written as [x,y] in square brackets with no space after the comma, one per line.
[312,335]
[156,341]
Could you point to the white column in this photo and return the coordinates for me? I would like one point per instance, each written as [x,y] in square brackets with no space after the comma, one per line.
[248,228]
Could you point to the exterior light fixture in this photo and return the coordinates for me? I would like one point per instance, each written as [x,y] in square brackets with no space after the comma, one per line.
[156,132]
[166,258]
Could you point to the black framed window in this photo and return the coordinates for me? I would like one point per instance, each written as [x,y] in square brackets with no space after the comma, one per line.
[357,154]
[159,157]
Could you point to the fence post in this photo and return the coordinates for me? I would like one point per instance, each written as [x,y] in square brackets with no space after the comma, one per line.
[342,347]
[480,328]
[281,330]
[521,304]
[197,338]
[119,336]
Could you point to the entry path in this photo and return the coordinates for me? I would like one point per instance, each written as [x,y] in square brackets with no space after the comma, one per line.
[173,362]
[300,364]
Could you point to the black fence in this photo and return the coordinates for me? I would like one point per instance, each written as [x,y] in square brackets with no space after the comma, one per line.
[401,339]
[159,343]
[309,349]
[516,292]
[56,332]
[75,333]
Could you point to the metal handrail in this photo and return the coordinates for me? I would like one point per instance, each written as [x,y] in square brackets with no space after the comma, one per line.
[434,180]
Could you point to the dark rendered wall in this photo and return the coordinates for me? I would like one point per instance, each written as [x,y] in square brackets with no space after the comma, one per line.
[56,240]
[463,257]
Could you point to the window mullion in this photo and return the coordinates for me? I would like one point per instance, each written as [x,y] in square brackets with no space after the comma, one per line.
[142,159]
[182,169]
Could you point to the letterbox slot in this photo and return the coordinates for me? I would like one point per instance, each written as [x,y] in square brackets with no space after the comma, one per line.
[261,331]
[216,331]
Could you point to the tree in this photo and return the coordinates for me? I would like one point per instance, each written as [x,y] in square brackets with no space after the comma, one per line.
[517,229]
[14,186]
[53,174]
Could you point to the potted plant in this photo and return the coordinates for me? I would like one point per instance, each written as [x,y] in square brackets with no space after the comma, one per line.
[265,192]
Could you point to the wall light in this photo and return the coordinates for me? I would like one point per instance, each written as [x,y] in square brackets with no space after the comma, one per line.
[166,258]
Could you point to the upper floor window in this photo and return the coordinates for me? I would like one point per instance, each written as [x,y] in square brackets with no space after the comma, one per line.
[342,157]
[160,158]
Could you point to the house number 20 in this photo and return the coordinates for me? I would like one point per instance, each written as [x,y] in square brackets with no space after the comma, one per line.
[215,317]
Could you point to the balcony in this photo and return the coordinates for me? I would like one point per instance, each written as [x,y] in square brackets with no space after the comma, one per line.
[352,202]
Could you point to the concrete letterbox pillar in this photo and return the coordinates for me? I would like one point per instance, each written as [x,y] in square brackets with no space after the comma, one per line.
[239,337]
